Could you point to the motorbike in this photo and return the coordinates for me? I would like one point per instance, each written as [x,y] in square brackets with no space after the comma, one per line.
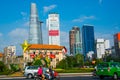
[37,77]
[55,76]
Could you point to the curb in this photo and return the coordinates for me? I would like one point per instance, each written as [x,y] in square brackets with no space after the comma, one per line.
[75,73]
[61,74]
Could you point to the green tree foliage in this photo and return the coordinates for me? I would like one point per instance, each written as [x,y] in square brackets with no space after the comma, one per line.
[3,69]
[62,64]
[87,63]
[79,59]
[71,61]
[37,62]
[2,66]
[14,67]
[97,61]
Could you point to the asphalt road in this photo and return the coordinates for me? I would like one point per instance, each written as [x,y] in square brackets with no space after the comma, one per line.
[80,77]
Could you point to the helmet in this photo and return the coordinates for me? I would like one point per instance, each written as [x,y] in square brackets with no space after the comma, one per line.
[47,70]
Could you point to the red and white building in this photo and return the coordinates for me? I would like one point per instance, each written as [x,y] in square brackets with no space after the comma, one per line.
[53,29]
[54,52]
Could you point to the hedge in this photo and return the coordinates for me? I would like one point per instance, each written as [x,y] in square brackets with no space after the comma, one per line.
[74,70]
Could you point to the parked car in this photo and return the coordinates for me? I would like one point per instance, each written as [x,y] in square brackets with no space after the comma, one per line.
[108,69]
[30,70]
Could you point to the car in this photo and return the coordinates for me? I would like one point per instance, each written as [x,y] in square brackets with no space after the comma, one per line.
[108,69]
[29,71]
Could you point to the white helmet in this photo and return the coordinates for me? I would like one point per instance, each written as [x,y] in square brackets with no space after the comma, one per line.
[47,70]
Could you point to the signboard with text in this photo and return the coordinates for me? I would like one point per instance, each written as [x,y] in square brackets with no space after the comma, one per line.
[53,32]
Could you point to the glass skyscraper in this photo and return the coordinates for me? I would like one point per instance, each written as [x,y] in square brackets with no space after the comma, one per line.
[88,40]
[35,31]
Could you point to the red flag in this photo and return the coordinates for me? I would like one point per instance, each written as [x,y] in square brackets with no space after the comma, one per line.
[52,56]
[32,55]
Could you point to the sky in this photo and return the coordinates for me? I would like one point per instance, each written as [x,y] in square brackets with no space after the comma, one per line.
[104,15]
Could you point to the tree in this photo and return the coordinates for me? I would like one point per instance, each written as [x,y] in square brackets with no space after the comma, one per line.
[79,59]
[37,62]
[62,64]
[2,66]
[98,61]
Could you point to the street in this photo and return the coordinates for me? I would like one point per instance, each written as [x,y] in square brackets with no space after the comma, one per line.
[80,77]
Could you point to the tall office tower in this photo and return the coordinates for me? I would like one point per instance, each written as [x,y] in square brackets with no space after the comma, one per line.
[117,43]
[75,40]
[101,46]
[35,31]
[88,40]
[53,29]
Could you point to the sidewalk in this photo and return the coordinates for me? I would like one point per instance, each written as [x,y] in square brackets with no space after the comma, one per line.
[1,76]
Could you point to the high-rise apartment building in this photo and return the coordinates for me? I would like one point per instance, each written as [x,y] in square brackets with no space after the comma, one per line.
[101,46]
[53,25]
[88,40]
[35,31]
[75,40]
[117,43]
[9,53]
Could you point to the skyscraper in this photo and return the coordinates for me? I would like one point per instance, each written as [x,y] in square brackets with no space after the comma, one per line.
[75,40]
[117,43]
[101,46]
[35,32]
[53,29]
[88,41]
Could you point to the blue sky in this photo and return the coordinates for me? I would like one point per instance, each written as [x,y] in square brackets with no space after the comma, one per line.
[104,15]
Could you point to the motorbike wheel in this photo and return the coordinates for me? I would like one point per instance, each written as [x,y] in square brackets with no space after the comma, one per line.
[37,78]
[57,78]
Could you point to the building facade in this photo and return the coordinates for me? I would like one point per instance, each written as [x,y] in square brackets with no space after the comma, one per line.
[35,31]
[88,40]
[75,41]
[9,54]
[117,43]
[53,25]
[102,46]
[53,52]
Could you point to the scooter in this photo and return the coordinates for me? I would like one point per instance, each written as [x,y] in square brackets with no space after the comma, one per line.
[37,77]
[55,76]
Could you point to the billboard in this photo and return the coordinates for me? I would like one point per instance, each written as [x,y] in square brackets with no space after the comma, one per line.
[53,32]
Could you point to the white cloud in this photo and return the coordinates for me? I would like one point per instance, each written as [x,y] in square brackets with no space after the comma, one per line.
[84,18]
[26,24]
[19,33]
[16,37]
[64,39]
[24,16]
[105,36]
[23,13]
[1,34]
[64,36]
[48,8]
[116,27]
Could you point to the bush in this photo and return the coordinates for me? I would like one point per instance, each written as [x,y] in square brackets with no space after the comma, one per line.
[14,67]
[6,72]
[74,70]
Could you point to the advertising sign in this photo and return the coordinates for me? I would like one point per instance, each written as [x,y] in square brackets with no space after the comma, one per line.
[53,32]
